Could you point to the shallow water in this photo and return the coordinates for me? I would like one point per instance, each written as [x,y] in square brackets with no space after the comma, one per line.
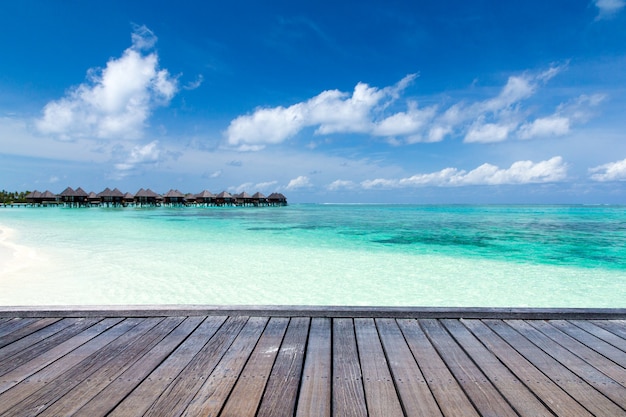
[396,255]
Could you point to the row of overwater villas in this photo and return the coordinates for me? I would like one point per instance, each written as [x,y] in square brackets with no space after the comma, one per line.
[80,198]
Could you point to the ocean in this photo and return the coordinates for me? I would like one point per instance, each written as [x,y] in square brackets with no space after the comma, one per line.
[316,254]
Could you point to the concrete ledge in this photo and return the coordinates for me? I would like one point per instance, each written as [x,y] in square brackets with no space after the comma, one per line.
[314,311]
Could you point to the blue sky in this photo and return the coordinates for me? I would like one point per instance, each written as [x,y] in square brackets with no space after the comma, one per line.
[371,101]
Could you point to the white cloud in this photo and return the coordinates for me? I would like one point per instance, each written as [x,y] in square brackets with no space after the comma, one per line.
[520,172]
[613,171]
[546,126]
[608,8]
[341,185]
[300,182]
[488,132]
[332,111]
[139,155]
[115,102]
[367,111]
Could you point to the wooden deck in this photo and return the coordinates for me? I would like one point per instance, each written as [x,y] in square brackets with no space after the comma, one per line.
[312,362]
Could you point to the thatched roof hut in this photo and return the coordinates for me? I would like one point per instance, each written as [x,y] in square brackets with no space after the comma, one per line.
[277,199]
[174,197]
[223,198]
[258,199]
[243,199]
[146,197]
[109,196]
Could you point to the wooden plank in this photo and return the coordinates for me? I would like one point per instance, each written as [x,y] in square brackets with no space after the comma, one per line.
[575,386]
[481,392]
[315,387]
[54,371]
[31,346]
[281,392]
[97,381]
[29,342]
[15,323]
[523,401]
[543,387]
[22,372]
[573,363]
[616,355]
[210,399]
[415,394]
[39,400]
[600,333]
[380,392]
[22,328]
[348,393]
[617,327]
[246,395]
[595,359]
[178,394]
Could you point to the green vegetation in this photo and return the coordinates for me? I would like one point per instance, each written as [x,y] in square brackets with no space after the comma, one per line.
[8,197]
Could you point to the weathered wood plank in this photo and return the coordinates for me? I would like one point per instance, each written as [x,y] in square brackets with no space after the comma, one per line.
[210,399]
[348,393]
[178,395]
[25,370]
[102,378]
[600,333]
[315,389]
[573,363]
[54,371]
[415,394]
[485,397]
[380,392]
[15,323]
[598,361]
[43,398]
[281,392]
[543,387]
[617,327]
[246,395]
[616,355]
[523,401]
[21,328]
[9,353]
[575,386]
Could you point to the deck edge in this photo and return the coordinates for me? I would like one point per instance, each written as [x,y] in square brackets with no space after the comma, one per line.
[313,311]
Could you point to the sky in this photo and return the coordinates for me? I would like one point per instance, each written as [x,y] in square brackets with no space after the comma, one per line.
[467,102]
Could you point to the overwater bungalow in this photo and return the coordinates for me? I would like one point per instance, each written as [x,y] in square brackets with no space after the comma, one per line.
[93,199]
[277,199]
[174,198]
[258,199]
[146,197]
[128,199]
[73,198]
[205,198]
[224,199]
[243,199]
[111,197]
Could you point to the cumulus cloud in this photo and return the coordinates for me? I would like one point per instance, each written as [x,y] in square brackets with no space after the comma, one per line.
[300,182]
[341,185]
[368,110]
[520,172]
[608,8]
[114,102]
[332,111]
[613,171]
[139,155]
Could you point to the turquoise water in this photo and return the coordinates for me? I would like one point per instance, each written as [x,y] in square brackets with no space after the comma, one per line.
[396,255]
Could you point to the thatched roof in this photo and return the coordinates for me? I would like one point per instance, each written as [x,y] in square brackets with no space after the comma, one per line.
[33,195]
[224,194]
[205,194]
[68,192]
[128,196]
[48,195]
[243,195]
[107,192]
[277,196]
[258,195]
[146,193]
[92,196]
[79,192]
[174,194]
